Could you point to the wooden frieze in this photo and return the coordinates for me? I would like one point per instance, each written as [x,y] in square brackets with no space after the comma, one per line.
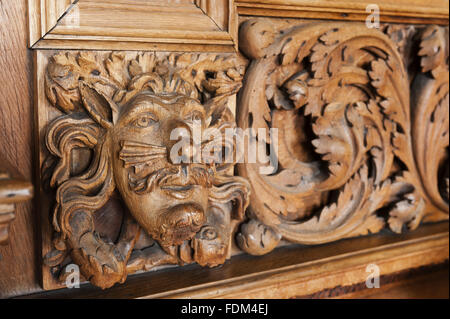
[355,120]
[362,116]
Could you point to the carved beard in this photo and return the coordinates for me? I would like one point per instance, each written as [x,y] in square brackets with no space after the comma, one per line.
[180,222]
[177,223]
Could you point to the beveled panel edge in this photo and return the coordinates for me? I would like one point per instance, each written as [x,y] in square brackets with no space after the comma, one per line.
[287,272]
[45,31]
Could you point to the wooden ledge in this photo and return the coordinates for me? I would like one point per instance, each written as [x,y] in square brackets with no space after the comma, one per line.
[400,11]
[285,273]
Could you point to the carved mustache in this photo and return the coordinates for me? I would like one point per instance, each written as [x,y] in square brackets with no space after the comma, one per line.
[170,176]
[137,153]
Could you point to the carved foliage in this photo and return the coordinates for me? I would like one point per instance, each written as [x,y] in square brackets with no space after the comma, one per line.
[363,145]
[358,148]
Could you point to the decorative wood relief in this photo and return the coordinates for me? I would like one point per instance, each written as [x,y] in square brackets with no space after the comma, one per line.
[362,119]
[363,133]
[122,203]
[13,190]
[404,11]
[175,25]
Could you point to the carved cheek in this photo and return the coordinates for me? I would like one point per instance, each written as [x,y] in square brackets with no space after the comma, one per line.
[120,174]
[135,203]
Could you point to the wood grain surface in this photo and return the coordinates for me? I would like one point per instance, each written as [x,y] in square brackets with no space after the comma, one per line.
[18,259]
[143,25]
[402,11]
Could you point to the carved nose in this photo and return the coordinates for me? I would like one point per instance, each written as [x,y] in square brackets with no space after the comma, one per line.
[180,143]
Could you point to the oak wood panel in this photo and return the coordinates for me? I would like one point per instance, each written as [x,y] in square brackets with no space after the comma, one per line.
[15,111]
[18,259]
[293,81]
[48,107]
[403,11]
[289,271]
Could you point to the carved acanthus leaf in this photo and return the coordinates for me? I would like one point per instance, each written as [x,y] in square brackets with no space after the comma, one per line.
[215,76]
[347,90]
[434,49]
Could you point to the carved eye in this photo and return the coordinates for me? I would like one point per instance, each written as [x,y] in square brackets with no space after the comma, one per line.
[209,233]
[145,120]
[195,116]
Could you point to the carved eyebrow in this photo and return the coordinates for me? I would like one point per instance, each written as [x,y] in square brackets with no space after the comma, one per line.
[195,107]
[168,99]
[155,103]
[142,106]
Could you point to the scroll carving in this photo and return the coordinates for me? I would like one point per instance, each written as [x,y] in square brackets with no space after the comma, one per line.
[122,203]
[363,135]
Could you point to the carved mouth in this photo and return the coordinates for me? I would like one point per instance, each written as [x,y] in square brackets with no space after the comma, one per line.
[178,191]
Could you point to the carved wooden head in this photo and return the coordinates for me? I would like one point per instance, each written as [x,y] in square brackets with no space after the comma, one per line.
[168,200]
[129,131]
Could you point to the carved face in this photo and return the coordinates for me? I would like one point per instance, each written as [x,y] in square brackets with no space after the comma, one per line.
[123,128]
[166,194]
[166,191]
[168,200]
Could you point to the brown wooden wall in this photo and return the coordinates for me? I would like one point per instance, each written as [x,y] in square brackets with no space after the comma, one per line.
[18,271]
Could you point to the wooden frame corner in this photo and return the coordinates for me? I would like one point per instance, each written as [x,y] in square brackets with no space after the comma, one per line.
[135,25]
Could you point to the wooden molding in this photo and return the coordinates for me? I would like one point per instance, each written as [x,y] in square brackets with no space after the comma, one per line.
[402,11]
[335,270]
[187,25]
[191,25]
[44,15]
[13,190]
[287,272]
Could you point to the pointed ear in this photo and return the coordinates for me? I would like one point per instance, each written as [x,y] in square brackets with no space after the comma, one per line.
[100,107]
